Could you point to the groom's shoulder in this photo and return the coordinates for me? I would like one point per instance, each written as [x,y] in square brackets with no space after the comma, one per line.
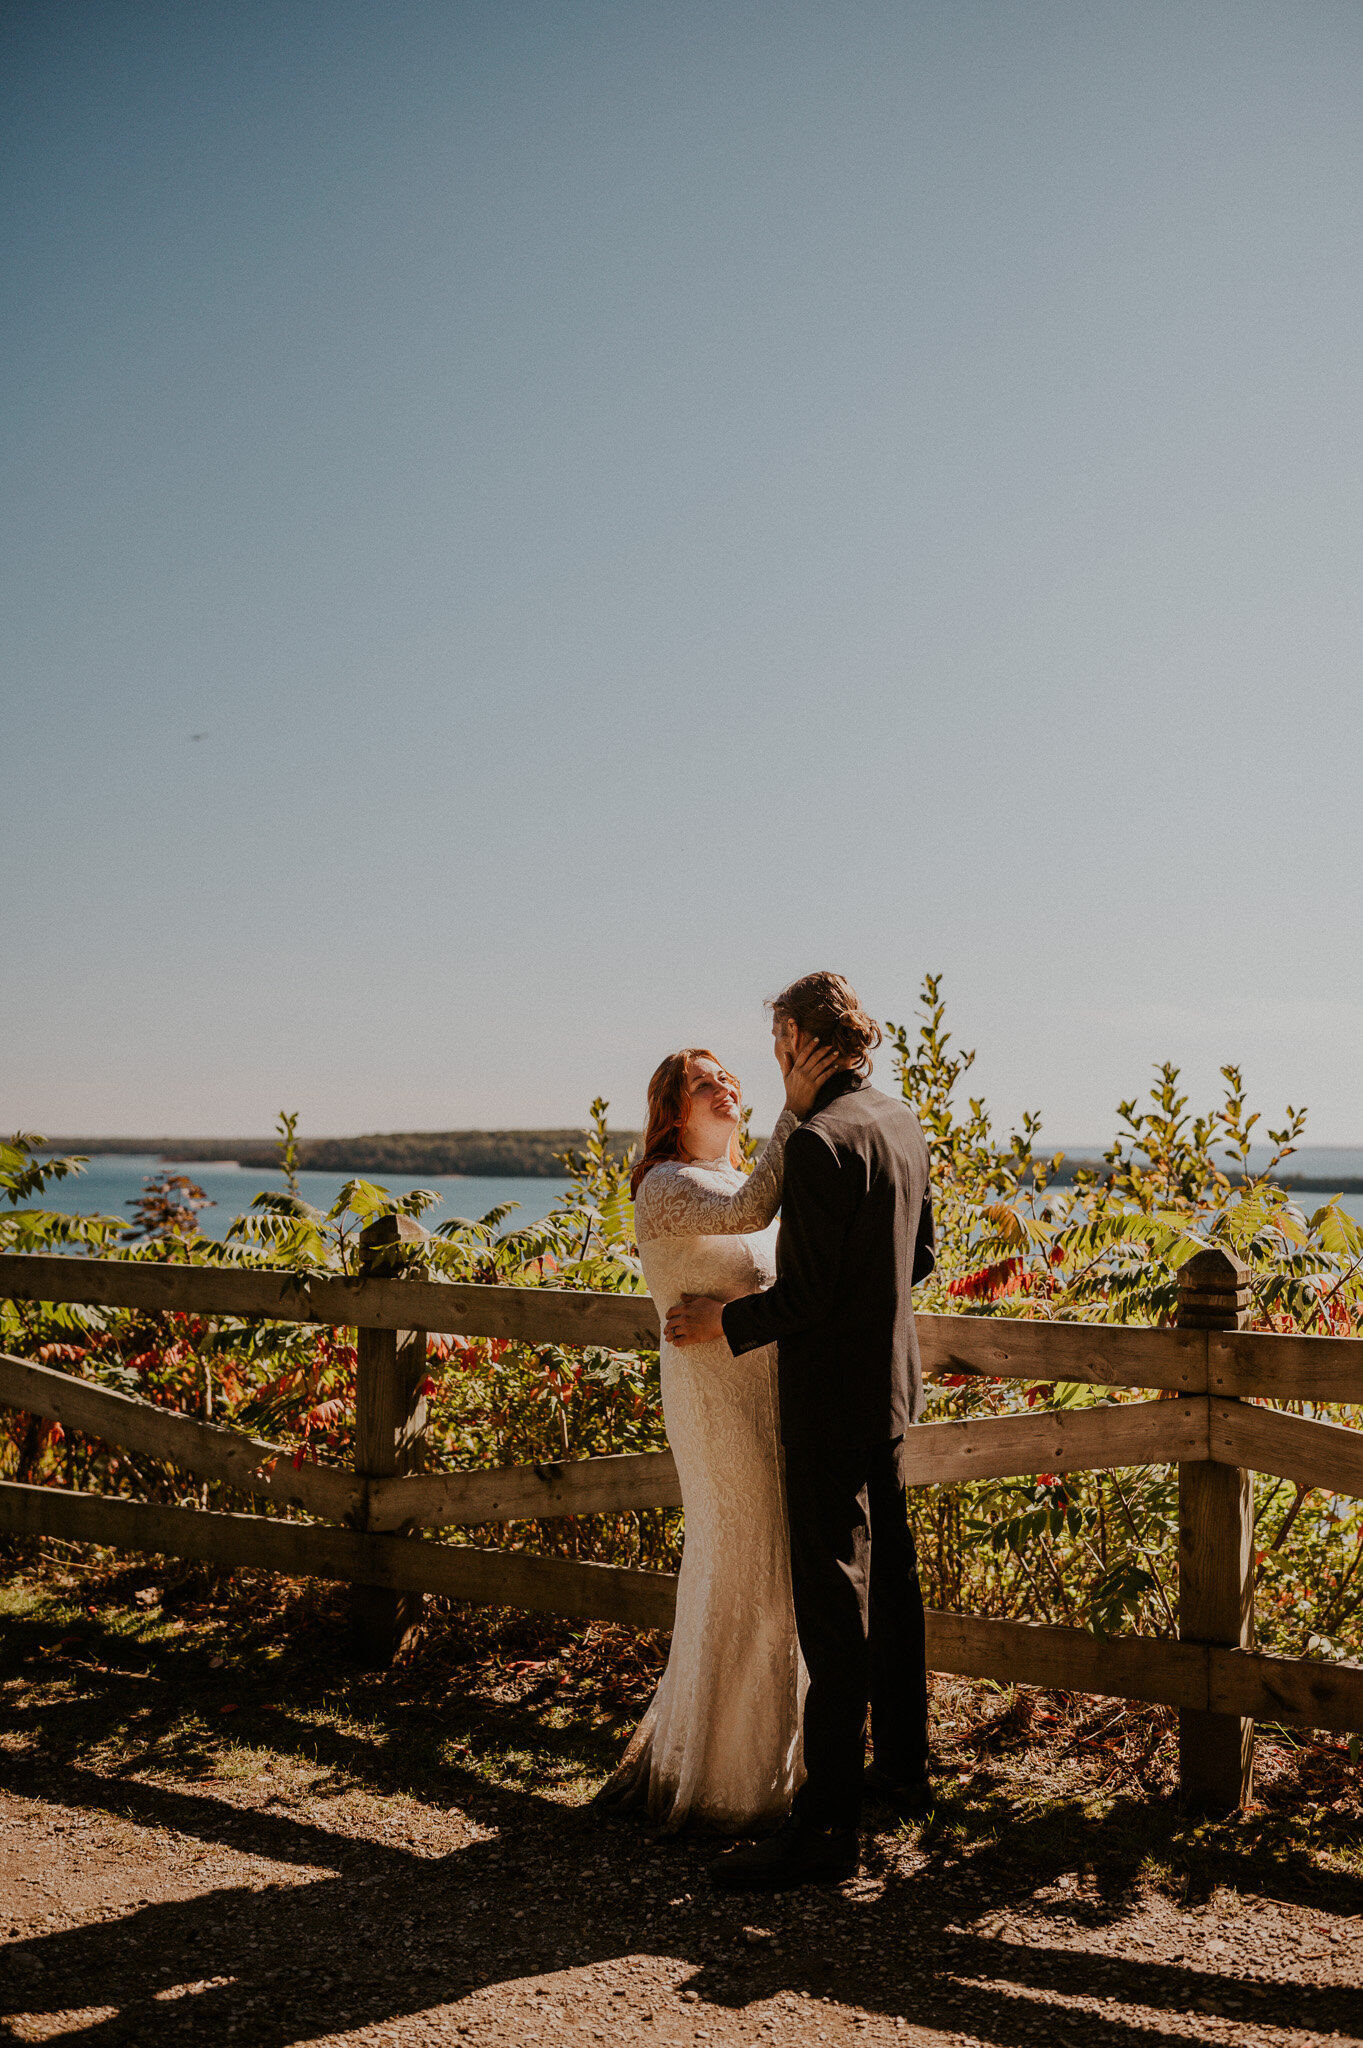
[852,1110]
[862,1104]
[864,1114]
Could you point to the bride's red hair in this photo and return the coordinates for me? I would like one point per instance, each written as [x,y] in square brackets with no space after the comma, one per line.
[668,1108]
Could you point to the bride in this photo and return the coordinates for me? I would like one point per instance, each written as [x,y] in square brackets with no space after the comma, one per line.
[720,1742]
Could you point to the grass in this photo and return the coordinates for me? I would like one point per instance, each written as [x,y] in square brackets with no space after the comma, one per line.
[190,1674]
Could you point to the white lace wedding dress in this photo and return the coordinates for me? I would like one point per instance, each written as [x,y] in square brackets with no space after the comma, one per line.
[720,1742]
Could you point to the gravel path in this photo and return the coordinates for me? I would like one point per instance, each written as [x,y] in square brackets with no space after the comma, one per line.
[152,1910]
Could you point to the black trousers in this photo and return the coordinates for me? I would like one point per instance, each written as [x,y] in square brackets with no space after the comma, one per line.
[859,1616]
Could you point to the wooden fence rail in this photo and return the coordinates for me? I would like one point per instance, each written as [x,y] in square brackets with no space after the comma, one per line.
[1242,1363]
[1214,1367]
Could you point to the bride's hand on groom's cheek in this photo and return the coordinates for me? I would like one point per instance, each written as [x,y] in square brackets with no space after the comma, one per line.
[695,1319]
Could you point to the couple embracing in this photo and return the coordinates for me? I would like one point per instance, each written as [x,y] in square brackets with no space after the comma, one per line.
[798,1603]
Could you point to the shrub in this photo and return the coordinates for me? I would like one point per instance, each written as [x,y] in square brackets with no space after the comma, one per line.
[1016,1238]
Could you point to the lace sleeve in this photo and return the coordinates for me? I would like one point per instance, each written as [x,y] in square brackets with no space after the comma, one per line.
[683,1201]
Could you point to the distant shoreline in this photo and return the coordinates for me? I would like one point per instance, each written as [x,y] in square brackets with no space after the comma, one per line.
[1304,1183]
[517,1154]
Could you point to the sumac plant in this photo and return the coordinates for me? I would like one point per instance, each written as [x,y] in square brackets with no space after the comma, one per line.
[293,1384]
[1018,1236]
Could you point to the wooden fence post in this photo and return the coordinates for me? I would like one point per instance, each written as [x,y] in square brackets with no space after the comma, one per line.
[390,1424]
[1215,1559]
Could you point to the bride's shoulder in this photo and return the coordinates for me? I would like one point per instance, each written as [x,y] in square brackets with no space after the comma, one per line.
[669,1172]
[665,1182]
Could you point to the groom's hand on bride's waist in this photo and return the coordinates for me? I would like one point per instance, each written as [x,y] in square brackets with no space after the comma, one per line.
[695,1319]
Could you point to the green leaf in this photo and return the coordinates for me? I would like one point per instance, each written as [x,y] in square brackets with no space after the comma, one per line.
[360,1198]
[616,1216]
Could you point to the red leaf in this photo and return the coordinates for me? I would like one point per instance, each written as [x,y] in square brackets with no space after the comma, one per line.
[989,1283]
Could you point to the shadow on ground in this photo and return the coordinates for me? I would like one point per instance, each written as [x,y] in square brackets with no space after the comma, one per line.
[388,1933]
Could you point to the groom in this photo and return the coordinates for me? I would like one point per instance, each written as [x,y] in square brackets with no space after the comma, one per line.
[856,1232]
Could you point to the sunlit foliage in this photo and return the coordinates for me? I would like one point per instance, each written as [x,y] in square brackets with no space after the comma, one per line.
[1017,1237]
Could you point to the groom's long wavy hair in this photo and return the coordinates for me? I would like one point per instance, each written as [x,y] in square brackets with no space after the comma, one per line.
[668,1106]
[828,1007]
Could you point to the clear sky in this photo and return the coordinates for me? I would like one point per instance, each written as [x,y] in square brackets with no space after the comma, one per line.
[641,500]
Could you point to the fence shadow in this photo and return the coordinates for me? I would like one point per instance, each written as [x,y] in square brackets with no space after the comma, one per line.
[389,1933]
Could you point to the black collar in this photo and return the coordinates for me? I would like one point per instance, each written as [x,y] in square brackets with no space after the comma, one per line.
[841,1083]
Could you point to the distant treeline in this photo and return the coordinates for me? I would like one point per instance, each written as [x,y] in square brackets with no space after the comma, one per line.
[1295,1183]
[532,1154]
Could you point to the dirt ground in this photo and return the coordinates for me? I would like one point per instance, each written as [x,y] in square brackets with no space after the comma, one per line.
[214,1828]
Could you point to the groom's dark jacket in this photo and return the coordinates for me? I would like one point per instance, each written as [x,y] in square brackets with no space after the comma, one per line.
[856,1232]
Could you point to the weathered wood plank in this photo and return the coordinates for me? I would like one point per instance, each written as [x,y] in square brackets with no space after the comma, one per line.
[1192,1676]
[205,1448]
[1195,1677]
[1259,1364]
[390,1411]
[1102,1354]
[491,1578]
[1216,1608]
[390,1426]
[1298,1690]
[584,1486]
[581,1486]
[1294,1447]
[1216,1525]
[1068,1659]
[1058,1440]
[553,1315]
[512,1493]
[1215,1556]
[989,1447]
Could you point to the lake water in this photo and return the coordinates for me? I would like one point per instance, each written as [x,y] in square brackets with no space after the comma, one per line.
[114,1180]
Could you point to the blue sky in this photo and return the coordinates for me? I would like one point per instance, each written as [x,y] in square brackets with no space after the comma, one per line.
[644,500]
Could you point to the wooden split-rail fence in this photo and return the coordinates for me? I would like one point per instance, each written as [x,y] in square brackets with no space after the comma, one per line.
[1216,1430]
